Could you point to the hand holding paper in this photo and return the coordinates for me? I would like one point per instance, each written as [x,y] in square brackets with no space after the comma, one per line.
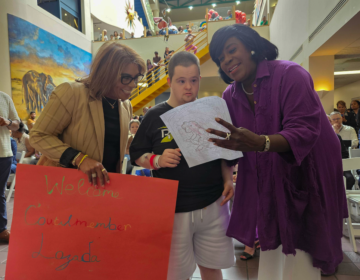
[241,139]
[188,124]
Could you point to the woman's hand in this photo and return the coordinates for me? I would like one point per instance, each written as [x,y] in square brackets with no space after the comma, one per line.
[241,139]
[170,158]
[228,192]
[89,167]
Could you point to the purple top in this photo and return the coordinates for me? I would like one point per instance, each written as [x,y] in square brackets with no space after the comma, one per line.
[296,198]
[149,66]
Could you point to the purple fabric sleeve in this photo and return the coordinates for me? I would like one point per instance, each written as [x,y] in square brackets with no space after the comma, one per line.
[301,126]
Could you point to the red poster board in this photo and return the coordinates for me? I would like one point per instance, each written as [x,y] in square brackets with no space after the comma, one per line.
[65,229]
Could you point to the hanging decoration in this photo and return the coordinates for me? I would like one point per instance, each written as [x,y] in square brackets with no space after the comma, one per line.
[240,17]
[130,15]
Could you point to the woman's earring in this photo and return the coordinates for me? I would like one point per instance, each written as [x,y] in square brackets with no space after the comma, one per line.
[252,52]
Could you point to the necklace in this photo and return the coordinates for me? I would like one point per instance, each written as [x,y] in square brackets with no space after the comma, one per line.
[112,105]
[248,93]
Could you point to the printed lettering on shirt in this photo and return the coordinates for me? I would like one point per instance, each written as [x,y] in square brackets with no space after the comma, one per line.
[165,135]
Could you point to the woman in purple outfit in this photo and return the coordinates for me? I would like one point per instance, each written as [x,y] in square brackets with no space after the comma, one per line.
[290,184]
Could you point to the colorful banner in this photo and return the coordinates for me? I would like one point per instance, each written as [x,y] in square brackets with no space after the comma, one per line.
[64,228]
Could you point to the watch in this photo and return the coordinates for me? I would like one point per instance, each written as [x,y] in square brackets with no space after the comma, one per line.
[10,122]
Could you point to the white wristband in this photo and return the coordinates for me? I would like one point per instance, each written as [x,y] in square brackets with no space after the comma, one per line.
[156,162]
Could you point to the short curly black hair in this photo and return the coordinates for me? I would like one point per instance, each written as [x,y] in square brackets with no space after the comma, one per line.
[249,37]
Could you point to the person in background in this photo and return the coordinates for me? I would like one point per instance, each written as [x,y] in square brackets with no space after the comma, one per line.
[189,39]
[99,105]
[145,110]
[136,117]
[264,21]
[290,186]
[116,35]
[133,128]
[148,33]
[149,75]
[120,36]
[22,141]
[248,22]
[348,118]
[105,36]
[31,120]
[132,35]
[229,14]
[355,105]
[167,56]
[186,30]
[346,132]
[112,37]
[156,61]
[180,30]
[9,120]
[14,151]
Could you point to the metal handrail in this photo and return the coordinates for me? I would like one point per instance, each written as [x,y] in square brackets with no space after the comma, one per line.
[200,40]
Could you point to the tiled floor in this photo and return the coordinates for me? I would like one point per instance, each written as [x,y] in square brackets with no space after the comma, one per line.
[349,269]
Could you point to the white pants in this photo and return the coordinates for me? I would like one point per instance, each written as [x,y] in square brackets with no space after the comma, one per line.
[274,265]
[199,237]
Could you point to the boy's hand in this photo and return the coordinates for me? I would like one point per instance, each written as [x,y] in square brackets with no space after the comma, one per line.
[228,192]
[170,158]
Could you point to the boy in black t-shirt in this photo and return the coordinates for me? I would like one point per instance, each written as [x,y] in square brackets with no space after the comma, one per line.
[202,214]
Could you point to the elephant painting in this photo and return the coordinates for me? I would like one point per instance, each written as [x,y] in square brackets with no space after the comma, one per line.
[37,89]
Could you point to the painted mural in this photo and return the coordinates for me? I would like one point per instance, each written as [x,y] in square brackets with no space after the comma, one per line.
[39,61]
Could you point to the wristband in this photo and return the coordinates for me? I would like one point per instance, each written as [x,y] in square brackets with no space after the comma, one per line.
[267,143]
[81,161]
[156,161]
[152,162]
[10,122]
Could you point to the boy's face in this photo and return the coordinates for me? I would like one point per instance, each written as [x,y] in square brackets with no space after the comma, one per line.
[185,84]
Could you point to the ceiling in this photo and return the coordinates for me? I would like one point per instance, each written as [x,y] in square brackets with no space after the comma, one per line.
[196,13]
[348,59]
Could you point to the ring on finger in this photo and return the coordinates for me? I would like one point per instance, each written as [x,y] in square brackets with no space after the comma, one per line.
[228,135]
[103,170]
[93,175]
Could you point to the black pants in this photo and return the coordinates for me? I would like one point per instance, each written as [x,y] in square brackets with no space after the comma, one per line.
[149,79]
[350,180]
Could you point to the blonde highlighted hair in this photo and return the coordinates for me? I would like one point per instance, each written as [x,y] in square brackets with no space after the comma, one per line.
[107,67]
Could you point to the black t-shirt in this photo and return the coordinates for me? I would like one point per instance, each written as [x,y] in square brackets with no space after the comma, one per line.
[166,54]
[199,186]
[112,135]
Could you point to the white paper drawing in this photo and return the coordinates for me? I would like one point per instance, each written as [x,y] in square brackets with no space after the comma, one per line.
[188,124]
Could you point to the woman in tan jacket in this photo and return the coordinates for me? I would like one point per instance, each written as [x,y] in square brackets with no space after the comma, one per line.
[85,123]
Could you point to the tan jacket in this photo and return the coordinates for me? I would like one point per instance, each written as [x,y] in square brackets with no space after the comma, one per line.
[74,118]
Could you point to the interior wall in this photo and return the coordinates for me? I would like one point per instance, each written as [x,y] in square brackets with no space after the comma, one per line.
[294,21]
[347,93]
[289,26]
[31,12]
[321,69]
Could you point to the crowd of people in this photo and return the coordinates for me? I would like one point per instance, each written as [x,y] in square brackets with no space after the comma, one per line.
[346,123]
[286,199]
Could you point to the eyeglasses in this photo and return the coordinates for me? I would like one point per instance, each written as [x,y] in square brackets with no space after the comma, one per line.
[127,79]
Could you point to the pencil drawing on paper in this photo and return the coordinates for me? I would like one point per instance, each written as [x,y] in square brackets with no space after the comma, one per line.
[199,137]
[188,124]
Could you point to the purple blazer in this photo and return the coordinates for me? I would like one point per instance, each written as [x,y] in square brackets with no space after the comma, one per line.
[296,198]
